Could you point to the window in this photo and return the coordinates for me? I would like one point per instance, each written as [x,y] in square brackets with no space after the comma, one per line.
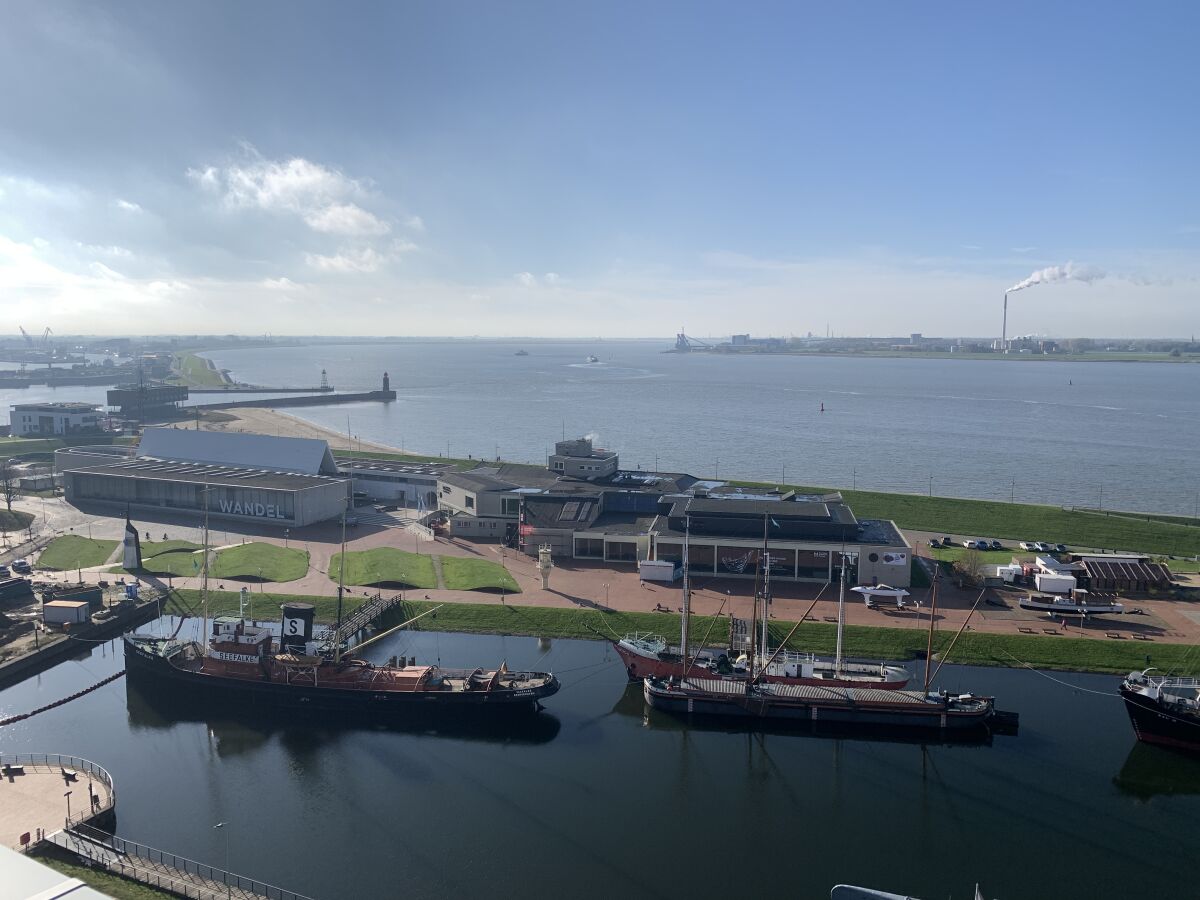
[445,489]
[558,466]
[510,506]
[470,502]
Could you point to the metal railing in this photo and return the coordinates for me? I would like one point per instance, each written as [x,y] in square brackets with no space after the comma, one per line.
[153,857]
[56,762]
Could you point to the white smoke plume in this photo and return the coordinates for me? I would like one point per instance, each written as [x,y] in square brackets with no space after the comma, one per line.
[1069,272]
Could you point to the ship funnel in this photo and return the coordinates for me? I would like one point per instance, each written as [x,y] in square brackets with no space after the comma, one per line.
[297,626]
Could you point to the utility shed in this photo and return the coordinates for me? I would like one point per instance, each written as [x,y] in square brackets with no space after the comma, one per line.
[1129,574]
[66,612]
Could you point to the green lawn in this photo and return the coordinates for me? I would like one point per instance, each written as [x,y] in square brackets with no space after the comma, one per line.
[104,882]
[266,604]
[198,371]
[477,574]
[253,560]
[27,446]
[15,520]
[987,557]
[73,551]
[385,565]
[260,560]
[973,648]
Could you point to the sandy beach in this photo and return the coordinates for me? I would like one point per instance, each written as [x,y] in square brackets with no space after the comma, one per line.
[280,424]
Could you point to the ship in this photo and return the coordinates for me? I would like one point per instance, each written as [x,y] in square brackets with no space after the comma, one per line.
[650,656]
[754,699]
[247,665]
[1163,709]
[244,664]
[1080,603]
[593,359]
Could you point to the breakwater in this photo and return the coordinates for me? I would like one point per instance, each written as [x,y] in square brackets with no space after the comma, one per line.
[301,400]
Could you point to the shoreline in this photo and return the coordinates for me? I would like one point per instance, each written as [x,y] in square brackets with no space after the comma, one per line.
[262,420]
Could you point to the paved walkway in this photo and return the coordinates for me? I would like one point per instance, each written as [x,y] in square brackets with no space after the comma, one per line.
[580,584]
[36,800]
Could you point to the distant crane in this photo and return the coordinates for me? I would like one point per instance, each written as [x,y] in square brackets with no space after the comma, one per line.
[683,343]
[25,334]
[46,336]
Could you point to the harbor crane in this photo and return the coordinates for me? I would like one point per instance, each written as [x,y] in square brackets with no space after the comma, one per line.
[684,343]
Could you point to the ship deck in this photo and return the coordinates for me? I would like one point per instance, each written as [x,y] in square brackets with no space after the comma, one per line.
[812,692]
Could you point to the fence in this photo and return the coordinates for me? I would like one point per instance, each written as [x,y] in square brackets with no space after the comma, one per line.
[171,872]
[56,762]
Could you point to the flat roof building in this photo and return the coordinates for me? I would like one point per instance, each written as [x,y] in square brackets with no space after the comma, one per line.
[245,477]
[50,419]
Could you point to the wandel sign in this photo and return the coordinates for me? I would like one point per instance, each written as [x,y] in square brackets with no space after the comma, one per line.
[253,510]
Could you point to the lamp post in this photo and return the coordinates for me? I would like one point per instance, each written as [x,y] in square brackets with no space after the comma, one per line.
[285,538]
[605,595]
[229,887]
[68,796]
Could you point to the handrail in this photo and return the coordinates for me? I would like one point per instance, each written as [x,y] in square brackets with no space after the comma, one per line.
[155,856]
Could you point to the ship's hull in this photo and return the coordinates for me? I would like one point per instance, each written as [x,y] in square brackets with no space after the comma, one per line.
[871,714]
[147,667]
[668,665]
[1154,725]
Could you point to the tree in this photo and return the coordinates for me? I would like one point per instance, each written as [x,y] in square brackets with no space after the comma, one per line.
[969,567]
[8,483]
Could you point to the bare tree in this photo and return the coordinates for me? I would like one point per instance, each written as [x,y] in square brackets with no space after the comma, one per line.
[969,567]
[8,483]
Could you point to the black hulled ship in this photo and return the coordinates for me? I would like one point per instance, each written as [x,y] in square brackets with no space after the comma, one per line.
[1164,710]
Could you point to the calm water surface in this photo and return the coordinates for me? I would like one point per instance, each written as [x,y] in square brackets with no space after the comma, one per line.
[597,797]
[1116,435]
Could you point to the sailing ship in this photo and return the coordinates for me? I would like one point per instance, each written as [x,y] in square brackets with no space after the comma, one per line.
[755,699]
[1164,709]
[1080,603]
[246,664]
[650,656]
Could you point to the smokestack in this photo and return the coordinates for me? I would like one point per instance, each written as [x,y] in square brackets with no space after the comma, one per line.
[1004,327]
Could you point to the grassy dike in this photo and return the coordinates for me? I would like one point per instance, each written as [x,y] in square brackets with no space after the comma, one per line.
[1094,654]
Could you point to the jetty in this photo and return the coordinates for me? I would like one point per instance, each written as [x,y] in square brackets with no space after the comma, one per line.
[63,805]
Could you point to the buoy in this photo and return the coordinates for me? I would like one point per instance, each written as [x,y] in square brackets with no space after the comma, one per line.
[822,407]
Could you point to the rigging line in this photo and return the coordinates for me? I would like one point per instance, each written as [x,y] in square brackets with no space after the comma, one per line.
[1068,684]
[579,681]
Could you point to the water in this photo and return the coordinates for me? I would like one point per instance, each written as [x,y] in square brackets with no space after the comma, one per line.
[1113,435]
[599,798]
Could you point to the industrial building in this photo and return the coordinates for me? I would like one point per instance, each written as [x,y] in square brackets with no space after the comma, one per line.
[54,419]
[259,478]
[412,485]
[629,517]
[151,400]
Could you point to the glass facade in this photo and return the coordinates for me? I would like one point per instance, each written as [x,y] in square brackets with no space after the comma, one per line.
[247,502]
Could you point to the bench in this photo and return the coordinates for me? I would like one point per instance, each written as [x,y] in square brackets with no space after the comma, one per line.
[1050,631]
[1142,637]
[9,771]
[1024,630]
[1114,635]
[69,775]
[830,618]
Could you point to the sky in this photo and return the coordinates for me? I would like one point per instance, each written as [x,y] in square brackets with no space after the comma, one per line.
[599,169]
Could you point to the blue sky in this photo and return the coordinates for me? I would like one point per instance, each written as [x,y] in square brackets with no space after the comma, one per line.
[598,169]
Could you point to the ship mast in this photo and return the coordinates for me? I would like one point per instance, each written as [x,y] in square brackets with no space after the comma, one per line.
[337,631]
[763,649]
[932,617]
[204,580]
[687,595]
[837,659]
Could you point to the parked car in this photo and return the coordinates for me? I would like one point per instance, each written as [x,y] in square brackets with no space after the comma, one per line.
[1041,546]
[996,545]
[946,542]
[4,571]
[969,543]
[21,566]
[1027,545]
[1060,548]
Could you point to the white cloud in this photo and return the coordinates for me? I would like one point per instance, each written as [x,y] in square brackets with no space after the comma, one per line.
[281,284]
[526,279]
[415,223]
[366,259]
[126,205]
[112,251]
[1023,249]
[550,278]
[346,218]
[207,178]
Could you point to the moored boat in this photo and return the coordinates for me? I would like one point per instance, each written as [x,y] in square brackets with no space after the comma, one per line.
[1164,710]
[1080,603]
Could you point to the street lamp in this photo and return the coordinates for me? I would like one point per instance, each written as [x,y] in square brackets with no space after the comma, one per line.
[606,595]
[229,887]
[285,538]
[68,796]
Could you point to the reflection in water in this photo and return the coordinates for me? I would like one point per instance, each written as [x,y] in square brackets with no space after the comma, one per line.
[238,731]
[1150,771]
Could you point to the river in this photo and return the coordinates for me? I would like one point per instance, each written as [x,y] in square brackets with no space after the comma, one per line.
[598,797]
[1091,434]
